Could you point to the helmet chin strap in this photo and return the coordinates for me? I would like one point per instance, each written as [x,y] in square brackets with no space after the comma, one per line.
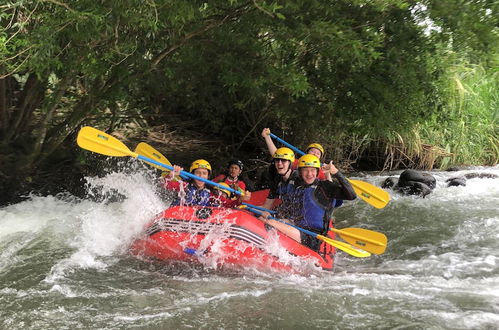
[288,170]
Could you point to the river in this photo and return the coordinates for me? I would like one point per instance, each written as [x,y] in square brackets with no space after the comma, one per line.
[64,264]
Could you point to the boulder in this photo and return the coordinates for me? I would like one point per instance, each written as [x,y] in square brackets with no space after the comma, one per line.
[412,182]
[408,177]
[454,182]
[389,182]
[481,175]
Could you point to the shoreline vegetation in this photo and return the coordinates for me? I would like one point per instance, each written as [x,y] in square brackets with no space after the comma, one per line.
[383,86]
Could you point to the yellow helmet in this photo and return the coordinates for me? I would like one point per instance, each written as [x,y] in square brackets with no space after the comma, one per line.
[223,190]
[284,153]
[309,160]
[317,146]
[200,163]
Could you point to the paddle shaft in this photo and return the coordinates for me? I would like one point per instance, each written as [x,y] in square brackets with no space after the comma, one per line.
[311,233]
[188,174]
[360,240]
[366,195]
[259,208]
[337,244]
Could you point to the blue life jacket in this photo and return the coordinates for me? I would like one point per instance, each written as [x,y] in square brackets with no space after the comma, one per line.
[194,196]
[300,205]
[289,198]
[312,213]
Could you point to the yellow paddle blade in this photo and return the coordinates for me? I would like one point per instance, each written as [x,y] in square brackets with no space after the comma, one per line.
[146,150]
[344,247]
[97,141]
[373,195]
[366,239]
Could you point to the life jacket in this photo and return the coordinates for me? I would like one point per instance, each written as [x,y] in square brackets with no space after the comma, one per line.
[237,184]
[289,200]
[300,204]
[314,214]
[194,196]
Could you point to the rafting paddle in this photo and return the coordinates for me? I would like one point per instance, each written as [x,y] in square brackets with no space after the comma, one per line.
[337,244]
[148,151]
[373,195]
[97,141]
[365,239]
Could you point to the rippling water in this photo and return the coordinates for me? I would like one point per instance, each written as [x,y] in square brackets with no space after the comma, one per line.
[64,264]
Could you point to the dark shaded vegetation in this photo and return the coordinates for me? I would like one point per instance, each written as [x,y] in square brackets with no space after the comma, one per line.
[382,84]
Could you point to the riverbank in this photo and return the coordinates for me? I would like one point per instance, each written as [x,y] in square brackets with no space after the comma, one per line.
[180,143]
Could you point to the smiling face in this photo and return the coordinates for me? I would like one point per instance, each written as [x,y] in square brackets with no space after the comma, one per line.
[308,174]
[314,151]
[234,170]
[282,165]
[203,173]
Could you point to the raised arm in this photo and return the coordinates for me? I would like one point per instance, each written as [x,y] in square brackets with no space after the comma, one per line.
[268,141]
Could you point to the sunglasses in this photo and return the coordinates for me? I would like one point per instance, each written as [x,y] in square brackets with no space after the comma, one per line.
[279,160]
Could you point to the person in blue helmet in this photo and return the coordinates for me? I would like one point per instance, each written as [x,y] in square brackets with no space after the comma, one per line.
[308,202]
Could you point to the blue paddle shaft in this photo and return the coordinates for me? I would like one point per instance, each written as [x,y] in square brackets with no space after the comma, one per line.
[258,208]
[189,175]
[295,149]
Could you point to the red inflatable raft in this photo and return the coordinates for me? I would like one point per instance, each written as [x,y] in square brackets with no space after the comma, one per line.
[226,237]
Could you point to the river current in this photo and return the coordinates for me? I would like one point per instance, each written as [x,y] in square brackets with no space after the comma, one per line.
[64,264]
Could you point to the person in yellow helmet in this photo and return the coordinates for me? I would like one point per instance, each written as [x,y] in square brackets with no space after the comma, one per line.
[191,192]
[315,149]
[195,192]
[223,192]
[308,202]
[282,163]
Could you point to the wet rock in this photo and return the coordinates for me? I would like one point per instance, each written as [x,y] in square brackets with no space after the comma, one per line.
[461,180]
[408,177]
[481,175]
[454,182]
[412,182]
[389,182]
[416,188]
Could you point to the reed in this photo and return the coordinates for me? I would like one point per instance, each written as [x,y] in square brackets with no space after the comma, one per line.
[467,125]
[462,129]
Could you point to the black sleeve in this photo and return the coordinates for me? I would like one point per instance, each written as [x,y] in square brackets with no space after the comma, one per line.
[342,189]
[273,189]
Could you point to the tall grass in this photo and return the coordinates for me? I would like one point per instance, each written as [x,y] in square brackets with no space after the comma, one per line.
[467,126]
[462,130]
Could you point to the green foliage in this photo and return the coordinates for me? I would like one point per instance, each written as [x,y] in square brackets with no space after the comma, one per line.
[468,123]
[365,74]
